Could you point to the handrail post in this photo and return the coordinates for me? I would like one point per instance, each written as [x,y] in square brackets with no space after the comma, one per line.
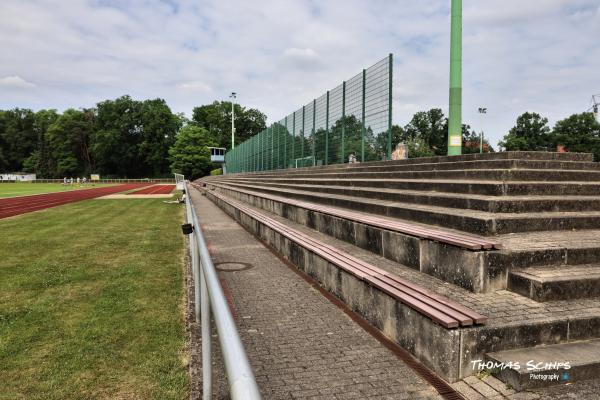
[242,384]
[206,339]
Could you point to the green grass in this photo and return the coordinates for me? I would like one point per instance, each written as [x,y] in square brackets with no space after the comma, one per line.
[28,188]
[91,302]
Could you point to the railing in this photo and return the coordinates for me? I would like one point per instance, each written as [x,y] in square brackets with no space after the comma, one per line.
[208,296]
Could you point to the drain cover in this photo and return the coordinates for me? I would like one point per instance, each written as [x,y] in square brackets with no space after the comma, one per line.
[233,266]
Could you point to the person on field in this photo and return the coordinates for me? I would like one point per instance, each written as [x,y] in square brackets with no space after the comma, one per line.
[71,181]
[65,181]
[78,181]
[352,158]
[84,180]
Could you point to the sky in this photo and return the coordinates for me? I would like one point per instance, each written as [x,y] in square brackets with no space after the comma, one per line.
[518,55]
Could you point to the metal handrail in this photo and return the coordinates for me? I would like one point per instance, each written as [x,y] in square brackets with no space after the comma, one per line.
[209,296]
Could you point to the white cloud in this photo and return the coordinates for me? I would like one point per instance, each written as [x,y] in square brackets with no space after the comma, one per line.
[194,86]
[297,53]
[280,54]
[15,81]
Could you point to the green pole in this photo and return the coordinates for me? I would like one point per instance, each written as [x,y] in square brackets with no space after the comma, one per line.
[272,145]
[294,139]
[302,142]
[362,130]
[343,121]
[327,130]
[454,120]
[314,130]
[389,138]
[287,164]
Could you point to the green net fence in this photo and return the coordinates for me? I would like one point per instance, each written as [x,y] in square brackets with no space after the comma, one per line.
[352,119]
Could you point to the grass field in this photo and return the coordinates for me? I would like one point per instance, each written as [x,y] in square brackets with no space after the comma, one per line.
[27,188]
[91,302]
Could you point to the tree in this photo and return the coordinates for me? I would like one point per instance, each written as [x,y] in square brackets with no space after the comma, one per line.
[471,141]
[578,133]
[432,128]
[530,133]
[216,119]
[190,155]
[69,140]
[133,137]
[39,160]
[159,129]
[18,137]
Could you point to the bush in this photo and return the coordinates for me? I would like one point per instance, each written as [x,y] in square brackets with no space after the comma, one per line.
[218,171]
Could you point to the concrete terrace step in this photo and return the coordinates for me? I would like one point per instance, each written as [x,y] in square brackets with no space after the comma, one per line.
[547,365]
[493,204]
[448,352]
[456,174]
[479,187]
[563,282]
[472,221]
[440,166]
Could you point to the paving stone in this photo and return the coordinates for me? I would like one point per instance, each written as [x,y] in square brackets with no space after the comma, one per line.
[468,392]
[297,357]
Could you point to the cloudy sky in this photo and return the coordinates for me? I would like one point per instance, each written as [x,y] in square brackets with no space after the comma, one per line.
[519,55]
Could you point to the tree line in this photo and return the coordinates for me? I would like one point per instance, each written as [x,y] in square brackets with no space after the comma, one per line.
[579,133]
[127,138]
[120,138]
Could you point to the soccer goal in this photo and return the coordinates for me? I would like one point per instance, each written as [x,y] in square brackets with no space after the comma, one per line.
[304,162]
[179,181]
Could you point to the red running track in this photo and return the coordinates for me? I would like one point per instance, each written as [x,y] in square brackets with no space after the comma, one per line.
[156,189]
[24,204]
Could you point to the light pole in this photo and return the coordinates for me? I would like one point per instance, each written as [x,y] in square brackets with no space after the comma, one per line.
[455,111]
[482,111]
[232,97]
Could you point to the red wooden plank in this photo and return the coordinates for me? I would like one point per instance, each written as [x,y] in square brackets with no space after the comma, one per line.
[462,240]
[412,295]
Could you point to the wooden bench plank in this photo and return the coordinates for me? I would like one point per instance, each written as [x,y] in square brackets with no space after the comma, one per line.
[470,242]
[440,309]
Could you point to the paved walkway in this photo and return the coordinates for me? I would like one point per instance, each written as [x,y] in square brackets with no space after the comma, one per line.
[300,345]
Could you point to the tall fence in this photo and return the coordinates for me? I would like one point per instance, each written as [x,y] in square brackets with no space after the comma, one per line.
[353,119]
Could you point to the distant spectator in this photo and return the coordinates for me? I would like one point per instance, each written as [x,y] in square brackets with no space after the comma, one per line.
[352,158]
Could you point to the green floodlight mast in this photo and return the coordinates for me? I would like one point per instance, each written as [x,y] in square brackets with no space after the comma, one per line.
[455,112]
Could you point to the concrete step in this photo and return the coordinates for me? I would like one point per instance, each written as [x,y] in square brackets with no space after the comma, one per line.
[493,204]
[472,221]
[441,166]
[477,271]
[480,187]
[456,174]
[548,365]
[450,353]
[546,283]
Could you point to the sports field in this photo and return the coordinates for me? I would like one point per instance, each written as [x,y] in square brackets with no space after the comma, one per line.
[91,302]
[26,188]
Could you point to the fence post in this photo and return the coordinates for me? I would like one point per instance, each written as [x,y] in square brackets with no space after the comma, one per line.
[287,164]
[314,131]
[327,131]
[206,339]
[389,144]
[303,130]
[294,138]
[343,120]
[362,131]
